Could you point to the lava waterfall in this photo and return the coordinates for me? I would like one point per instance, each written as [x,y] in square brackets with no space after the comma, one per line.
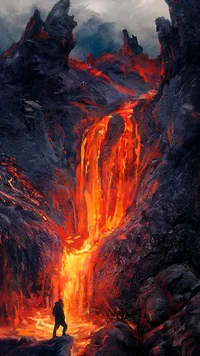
[99,189]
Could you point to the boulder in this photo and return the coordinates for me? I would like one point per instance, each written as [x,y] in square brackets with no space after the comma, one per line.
[115,339]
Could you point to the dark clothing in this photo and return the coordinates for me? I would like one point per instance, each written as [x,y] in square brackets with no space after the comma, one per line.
[57,325]
[58,312]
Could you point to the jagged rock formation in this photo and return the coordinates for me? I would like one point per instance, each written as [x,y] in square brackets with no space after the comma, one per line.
[56,21]
[114,339]
[30,347]
[48,105]
[162,228]
[131,45]
[42,44]
[42,101]
[180,39]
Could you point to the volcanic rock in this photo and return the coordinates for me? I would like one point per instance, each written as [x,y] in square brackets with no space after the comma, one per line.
[59,24]
[147,271]
[45,106]
[41,45]
[152,271]
[29,347]
[167,293]
[115,338]
[131,45]
[180,335]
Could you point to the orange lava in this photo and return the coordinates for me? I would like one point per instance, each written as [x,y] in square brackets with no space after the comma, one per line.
[92,205]
[40,325]
[107,181]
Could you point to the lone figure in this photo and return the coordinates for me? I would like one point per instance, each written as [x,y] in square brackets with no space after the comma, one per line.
[58,312]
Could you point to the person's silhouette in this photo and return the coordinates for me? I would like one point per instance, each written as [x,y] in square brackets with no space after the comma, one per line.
[58,312]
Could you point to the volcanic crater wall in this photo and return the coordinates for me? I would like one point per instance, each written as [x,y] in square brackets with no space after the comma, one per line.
[47,104]
[146,272]
[151,277]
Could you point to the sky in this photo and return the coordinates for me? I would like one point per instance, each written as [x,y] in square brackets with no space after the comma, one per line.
[103,19]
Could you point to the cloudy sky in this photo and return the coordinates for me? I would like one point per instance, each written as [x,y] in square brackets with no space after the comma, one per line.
[93,16]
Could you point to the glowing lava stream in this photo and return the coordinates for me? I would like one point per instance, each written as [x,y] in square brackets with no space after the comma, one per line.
[107,179]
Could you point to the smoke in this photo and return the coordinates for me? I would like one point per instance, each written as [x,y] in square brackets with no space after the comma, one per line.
[100,23]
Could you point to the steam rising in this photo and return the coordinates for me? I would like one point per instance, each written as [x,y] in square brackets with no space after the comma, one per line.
[100,24]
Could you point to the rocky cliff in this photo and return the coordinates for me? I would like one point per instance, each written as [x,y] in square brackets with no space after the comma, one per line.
[103,157]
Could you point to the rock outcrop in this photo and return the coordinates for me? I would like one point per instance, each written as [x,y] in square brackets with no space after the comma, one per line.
[179,335]
[152,275]
[27,346]
[46,104]
[114,339]
[42,45]
[131,45]
[179,39]
[146,272]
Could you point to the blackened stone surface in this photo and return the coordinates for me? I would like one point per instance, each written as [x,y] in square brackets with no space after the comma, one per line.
[8,345]
[154,255]
[164,295]
[42,45]
[60,346]
[115,339]
[131,45]
[179,40]
[180,335]
[42,102]
[59,24]
[153,271]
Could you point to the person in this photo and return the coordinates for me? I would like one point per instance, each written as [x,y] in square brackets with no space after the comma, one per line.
[58,312]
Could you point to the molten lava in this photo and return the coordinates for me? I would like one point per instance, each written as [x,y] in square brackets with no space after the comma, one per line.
[83,208]
[107,179]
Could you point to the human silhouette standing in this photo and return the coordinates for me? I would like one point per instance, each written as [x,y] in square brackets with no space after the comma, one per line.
[58,312]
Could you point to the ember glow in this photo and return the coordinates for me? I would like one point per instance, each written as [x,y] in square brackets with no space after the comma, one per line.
[106,183]
[107,180]
[90,207]
[84,208]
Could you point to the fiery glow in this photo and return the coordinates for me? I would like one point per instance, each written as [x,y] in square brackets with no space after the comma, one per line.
[88,211]
[83,210]
[107,174]
[107,179]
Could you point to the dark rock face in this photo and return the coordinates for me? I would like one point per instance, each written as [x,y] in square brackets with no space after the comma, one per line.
[46,104]
[59,24]
[114,339]
[151,278]
[30,347]
[42,45]
[186,17]
[179,39]
[27,244]
[163,227]
[166,294]
[131,45]
[152,272]
[8,345]
[180,335]
[170,47]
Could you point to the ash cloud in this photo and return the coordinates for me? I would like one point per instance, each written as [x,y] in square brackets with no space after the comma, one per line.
[96,37]
[100,24]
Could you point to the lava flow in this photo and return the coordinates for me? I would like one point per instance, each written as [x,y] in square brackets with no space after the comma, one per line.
[106,184]
[107,179]
[82,212]
[84,204]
